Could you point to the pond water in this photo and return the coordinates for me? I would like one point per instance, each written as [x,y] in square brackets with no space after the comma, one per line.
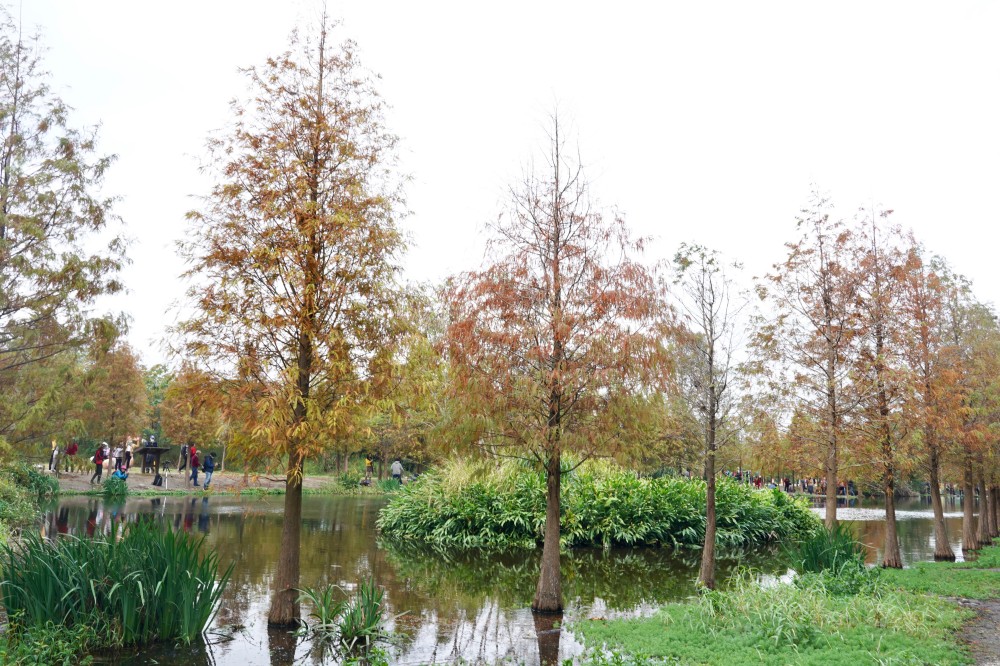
[471,608]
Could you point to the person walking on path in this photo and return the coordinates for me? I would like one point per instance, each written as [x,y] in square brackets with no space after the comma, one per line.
[128,454]
[70,453]
[118,457]
[208,468]
[194,466]
[98,464]
[183,460]
[397,470]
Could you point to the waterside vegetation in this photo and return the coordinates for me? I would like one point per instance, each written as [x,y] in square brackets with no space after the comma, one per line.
[843,614]
[495,506]
[136,587]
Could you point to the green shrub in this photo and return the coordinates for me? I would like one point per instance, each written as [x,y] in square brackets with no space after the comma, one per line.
[40,485]
[18,503]
[115,488]
[136,588]
[495,506]
[350,480]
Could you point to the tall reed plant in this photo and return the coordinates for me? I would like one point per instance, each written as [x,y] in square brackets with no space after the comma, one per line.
[136,587]
[827,550]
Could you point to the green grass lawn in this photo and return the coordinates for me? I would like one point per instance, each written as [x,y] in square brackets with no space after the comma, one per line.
[899,617]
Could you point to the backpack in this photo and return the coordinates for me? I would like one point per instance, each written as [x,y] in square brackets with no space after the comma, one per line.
[158,480]
[208,465]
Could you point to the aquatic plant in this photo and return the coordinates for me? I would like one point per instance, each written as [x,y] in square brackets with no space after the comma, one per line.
[827,550]
[354,622]
[360,623]
[136,588]
[502,505]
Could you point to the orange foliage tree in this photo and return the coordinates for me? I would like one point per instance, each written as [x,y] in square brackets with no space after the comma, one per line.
[810,340]
[882,379]
[552,342]
[295,258]
[935,363]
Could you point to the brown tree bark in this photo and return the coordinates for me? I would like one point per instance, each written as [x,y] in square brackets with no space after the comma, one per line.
[969,539]
[994,496]
[983,527]
[891,558]
[942,549]
[285,610]
[831,446]
[548,593]
[707,574]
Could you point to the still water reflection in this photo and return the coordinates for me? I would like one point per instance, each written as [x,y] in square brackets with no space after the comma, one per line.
[444,609]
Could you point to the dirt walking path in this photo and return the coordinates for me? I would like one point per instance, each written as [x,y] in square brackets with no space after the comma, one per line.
[982,634]
[174,482]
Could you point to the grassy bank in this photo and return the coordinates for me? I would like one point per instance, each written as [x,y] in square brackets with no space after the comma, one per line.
[890,617]
[491,505]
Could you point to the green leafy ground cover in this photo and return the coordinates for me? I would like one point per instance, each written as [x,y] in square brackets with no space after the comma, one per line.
[498,506]
[877,617]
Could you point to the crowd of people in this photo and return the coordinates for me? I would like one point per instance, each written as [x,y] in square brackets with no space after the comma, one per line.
[805,485]
[119,459]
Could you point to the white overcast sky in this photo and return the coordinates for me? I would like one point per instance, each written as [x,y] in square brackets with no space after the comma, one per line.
[700,121]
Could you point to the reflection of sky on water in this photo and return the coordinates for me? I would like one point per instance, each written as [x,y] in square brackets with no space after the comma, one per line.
[463,607]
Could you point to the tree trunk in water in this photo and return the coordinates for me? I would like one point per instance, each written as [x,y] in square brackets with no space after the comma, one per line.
[707,575]
[548,594]
[983,528]
[281,645]
[969,540]
[285,610]
[942,549]
[548,632]
[891,559]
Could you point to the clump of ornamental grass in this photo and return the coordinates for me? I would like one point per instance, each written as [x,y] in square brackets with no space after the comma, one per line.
[133,588]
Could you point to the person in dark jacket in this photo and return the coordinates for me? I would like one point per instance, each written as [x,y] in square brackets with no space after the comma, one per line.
[208,467]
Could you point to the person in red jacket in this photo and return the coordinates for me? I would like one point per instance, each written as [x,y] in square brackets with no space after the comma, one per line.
[194,466]
[99,464]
